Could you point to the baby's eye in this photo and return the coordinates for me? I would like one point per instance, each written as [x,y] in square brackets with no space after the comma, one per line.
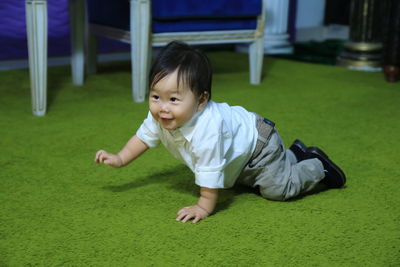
[174,99]
[155,97]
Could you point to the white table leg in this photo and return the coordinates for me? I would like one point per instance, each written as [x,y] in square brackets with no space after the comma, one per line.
[276,28]
[77,14]
[36,23]
[140,47]
[256,57]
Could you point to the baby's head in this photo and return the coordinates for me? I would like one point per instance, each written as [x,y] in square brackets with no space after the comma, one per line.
[194,69]
[180,84]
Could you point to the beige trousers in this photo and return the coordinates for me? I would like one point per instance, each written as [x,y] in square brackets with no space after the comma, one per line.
[276,170]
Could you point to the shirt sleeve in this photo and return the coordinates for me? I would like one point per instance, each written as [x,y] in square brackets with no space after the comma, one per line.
[210,158]
[148,132]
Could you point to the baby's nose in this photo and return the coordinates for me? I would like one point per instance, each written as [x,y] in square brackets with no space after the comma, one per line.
[164,107]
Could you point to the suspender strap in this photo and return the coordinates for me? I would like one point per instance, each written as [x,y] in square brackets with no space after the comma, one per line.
[265,128]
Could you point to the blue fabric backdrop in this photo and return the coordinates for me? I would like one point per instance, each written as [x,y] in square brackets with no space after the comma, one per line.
[13,39]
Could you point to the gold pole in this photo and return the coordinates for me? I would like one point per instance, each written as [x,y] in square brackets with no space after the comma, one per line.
[364,49]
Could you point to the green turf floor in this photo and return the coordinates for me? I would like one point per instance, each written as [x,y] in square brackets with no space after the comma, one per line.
[60,209]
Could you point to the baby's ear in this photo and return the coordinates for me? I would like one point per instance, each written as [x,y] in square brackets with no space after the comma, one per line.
[203,100]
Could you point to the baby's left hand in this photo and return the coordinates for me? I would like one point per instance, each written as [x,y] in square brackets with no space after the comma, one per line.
[192,212]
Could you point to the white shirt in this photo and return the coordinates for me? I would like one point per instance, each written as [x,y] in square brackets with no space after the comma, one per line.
[215,144]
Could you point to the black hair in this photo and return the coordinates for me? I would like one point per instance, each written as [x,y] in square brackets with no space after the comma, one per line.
[194,68]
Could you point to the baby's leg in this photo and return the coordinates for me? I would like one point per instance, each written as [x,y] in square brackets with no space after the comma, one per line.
[282,177]
[291,156]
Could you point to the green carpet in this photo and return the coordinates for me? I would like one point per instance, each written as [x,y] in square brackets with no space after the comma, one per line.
[60,209]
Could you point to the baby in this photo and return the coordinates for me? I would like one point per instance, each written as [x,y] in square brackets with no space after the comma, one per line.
[221,144]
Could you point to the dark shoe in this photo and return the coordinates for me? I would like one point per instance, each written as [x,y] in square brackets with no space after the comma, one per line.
[299,150]
[334,176]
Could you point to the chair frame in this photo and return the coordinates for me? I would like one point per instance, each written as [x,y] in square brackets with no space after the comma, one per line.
[142,40]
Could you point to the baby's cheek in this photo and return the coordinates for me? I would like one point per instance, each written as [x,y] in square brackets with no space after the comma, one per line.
[184,117]
[154,113]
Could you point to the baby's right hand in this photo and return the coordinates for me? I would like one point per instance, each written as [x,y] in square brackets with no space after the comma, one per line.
[108,159]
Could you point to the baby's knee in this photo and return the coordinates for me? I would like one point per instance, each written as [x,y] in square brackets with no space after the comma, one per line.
[276,193]
[280,192]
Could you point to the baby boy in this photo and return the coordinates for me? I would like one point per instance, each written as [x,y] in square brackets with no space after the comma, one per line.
[221,144]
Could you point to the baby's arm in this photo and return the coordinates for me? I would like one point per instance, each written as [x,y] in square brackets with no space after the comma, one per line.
[133,149]
[205,206]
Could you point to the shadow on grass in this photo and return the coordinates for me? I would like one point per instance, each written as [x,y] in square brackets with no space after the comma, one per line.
[181,179]
[114,67]
[319,188]
[176,175]
[56,79]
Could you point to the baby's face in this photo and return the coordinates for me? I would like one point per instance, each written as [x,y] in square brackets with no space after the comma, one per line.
[171,106]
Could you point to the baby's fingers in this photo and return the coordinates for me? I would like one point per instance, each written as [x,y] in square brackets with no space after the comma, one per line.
[184,217]
[182,210]
[97,157]
[196,219]
[101,156]
[180,216]
[187,218]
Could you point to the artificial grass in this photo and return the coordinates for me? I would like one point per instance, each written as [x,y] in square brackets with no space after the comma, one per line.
[59,209]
